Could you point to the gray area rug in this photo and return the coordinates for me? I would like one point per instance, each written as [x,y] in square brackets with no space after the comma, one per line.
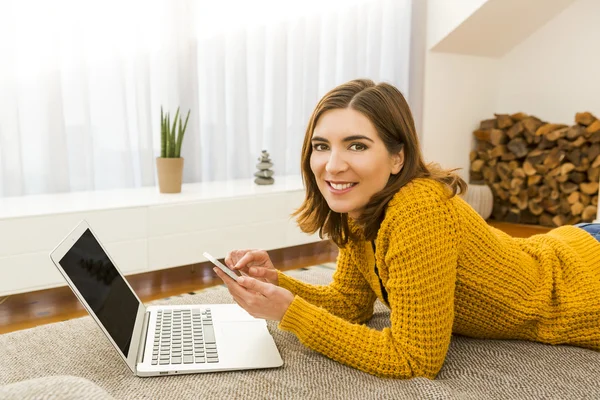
[474,369]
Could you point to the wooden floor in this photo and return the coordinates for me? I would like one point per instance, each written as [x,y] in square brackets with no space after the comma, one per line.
[28,310]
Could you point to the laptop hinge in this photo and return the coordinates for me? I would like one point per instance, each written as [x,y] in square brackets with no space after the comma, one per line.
[142,347]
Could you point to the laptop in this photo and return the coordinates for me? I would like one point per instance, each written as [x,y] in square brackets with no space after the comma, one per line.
[160,340]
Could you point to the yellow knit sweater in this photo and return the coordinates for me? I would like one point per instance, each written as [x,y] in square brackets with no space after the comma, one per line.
[445,270]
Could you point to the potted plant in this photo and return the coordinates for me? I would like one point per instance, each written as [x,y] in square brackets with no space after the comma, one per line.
[170,163]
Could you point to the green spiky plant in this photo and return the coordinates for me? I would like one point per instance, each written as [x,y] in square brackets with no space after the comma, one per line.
[171,136]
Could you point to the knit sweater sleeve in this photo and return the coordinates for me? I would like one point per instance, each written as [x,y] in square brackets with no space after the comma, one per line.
[420,235]
[348,296]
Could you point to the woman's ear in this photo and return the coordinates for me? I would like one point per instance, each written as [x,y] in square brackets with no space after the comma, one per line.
[397,162]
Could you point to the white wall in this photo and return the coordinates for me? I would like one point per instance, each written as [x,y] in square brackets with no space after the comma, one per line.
[459,92]
[555,73]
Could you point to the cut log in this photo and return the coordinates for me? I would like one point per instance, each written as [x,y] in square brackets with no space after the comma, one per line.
[477,165]
[574,156]
[593,151]
[556,134]
[482,145]
[593,174]
[577,176]
[536,156]
[544,191]
[551,206]
[593,127]
[575,131]
[566,168]
[519,116]
[518,173]
[484,155]
[594,137]
[584,165]
[573,198]
[497,151]
[532,191]
[515,130]
[518,147]
[585,199]
[577,208]
[562,178]
[554,158]
[551,182]
[547,128]
[531,124]
[590,188]
[589,213]
[503,121]
[546,219]
[522,201]
[493,136]
[570,187]
[488,124]
[533,180]
[489,174]
[529,169]
[508,157]
[535,208]
[577,142]
[565,207]
[554,172]
[545,144]
[559,220]
[584,118]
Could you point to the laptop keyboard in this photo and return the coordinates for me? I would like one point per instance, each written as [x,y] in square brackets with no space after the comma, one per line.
[184,337]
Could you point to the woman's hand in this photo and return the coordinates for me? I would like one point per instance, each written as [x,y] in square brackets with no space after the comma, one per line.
[260,299]
[255,263]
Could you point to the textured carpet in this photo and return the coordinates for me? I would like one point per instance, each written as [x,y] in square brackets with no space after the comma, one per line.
[474,369]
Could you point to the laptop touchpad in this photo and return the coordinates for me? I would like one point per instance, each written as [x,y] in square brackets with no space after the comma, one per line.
[243,330]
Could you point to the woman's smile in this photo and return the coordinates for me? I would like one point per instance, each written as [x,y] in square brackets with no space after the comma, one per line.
[339,188]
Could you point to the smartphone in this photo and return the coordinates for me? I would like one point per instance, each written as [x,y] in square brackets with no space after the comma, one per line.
[222,267]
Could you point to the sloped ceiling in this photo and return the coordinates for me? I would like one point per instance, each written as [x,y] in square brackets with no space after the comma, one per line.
[498,26]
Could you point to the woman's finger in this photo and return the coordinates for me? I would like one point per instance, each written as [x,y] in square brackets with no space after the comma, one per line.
[255,285]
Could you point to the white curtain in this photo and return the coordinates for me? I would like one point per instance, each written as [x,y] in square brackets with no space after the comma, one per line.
[82,83]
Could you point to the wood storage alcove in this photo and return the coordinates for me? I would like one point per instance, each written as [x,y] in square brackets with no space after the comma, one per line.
[540,173]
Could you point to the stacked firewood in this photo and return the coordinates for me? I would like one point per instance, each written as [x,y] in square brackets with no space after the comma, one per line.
[540,173]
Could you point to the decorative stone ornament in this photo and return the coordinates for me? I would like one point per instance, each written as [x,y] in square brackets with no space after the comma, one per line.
[264,173]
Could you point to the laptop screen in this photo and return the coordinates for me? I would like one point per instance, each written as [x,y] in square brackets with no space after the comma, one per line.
[103,288]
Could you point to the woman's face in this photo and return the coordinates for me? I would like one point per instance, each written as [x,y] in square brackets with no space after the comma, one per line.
[350,161]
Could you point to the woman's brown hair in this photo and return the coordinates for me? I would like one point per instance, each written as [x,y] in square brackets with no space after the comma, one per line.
[389,112]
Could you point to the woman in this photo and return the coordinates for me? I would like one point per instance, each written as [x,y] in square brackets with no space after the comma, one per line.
[406,239]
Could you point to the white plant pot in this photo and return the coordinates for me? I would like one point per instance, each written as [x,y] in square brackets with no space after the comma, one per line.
[481,198]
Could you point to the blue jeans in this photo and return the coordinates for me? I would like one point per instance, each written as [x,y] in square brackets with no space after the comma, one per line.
[591,228]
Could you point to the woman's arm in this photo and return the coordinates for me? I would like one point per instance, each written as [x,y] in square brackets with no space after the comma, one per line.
[421,258]
[348,296]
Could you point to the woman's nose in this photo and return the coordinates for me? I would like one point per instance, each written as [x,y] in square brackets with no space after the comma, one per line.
[336,163]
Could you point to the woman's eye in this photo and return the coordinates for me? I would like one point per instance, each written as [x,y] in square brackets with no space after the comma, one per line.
[319,147]
[358,147]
